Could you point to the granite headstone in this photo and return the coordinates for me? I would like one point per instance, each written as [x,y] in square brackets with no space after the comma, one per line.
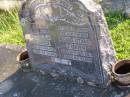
[70,33]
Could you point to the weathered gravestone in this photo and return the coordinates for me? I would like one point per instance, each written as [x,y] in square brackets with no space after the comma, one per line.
[69,33]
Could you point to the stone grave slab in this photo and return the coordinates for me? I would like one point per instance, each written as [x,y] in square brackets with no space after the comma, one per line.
[72,33]
[8,64]
[39,83]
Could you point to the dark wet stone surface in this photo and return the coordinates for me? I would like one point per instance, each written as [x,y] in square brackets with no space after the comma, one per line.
[35,84]
[39,83]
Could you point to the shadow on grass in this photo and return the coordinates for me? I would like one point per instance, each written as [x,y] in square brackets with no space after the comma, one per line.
[114,18]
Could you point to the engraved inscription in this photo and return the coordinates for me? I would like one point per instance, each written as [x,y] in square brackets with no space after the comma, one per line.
[75,40]
[43,52]
[67,11]
[72,46]
[64,32]
[67,32]
[61,61]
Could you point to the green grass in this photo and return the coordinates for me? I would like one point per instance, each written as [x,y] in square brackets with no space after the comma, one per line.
[120,31]
[11,32]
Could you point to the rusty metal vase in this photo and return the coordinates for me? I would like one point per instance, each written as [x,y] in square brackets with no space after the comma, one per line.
[24,61]
[121,72]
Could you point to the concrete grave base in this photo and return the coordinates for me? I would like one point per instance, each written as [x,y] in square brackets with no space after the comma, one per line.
[37,83]
[8,64]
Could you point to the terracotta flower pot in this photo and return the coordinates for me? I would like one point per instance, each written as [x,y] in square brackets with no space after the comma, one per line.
[121,72]
[23,60]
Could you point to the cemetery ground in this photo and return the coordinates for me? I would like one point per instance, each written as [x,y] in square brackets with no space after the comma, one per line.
[11,32]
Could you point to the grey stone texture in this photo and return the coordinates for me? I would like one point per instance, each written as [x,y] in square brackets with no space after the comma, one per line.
[39,83]
[8,64]
[72,33]
[117,5]
[127,12]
